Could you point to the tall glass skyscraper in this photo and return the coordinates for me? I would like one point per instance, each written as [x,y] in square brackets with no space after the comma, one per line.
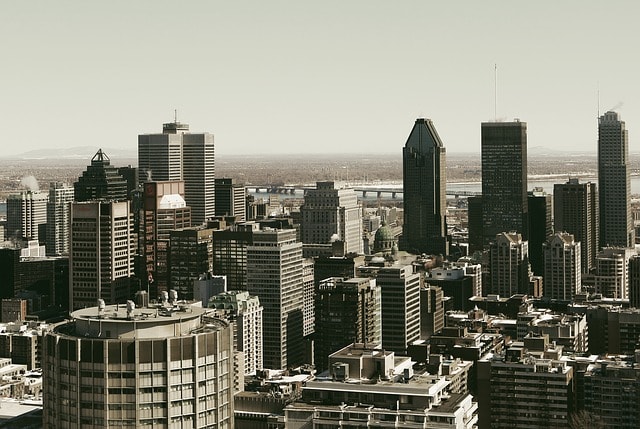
[424,191]
[614,183]
[177,154]
[504,179]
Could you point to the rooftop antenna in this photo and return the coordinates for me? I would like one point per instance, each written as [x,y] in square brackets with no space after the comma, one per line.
[495,92]
[175,115]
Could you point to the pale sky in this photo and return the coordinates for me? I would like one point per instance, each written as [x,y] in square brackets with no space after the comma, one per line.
[314,76]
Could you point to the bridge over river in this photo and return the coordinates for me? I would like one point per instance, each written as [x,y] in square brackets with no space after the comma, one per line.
[364,191]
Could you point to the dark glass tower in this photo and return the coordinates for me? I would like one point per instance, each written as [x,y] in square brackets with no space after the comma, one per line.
[575,208]
[540,227]
[100,181]
[614,183]
[424,191]
[504,179]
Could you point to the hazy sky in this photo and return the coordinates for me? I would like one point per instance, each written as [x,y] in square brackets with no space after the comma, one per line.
[317,77]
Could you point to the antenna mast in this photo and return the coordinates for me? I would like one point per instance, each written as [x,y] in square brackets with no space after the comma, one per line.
[495,92]
[175,115]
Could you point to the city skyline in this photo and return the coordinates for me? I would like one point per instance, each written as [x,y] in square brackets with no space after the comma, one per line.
[285,67]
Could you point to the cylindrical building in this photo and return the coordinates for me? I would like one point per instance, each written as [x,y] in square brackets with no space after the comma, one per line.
[156,367]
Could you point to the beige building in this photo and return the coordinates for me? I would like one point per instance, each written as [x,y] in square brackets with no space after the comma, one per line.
[154,367]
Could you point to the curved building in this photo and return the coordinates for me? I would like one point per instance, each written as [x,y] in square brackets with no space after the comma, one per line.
[158,367]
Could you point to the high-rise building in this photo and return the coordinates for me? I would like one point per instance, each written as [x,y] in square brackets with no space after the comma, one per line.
[58,211]
[614,183]
[400,290]
[245,314]
[508,265]
[347,311]
[230,253]
[562,273]
[155,367]
[424,191]
[100,181]
[164,210]
[275,274]
[431,311]
[540,226]
[612,272]
[330,214]
[527,386]
[177,154]
[474,216]
[576,212]
[634,281]
[231,199]
[190,256]
[101,251]
[25,212]
[504,179]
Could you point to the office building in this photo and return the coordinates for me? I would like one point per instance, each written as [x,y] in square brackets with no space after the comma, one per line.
[576,212]
[634,281]
[190,256]
[540,227]
[275,274]
[308,308]
[527,386]
[330,214]
[230,254]
[612,272]
[424,191]
[101,251]
[455,283]
[562,272]
[230,199]
[400,291]
[58,210]
[508,265]
[614,183]
[26,211]
[164,210]
[347,310]
[504,179]
[244,313]
[399,398]
[177,154]
[120,366]
[431,311]
[100,181]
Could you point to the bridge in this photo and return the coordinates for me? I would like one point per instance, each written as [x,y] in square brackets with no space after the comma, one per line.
[363,191]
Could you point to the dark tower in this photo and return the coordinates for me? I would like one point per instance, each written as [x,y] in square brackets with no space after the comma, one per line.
[614,183]
[540,227]
[424,192]
[100,181]
[504,179]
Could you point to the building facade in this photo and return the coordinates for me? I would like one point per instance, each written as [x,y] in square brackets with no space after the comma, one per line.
[25,212]
[231,199]
[190,256]
[504,179]
[614,183]
[118,366]
[562,272]
[575,207]
[508,265]
[101,252]
[100,181]
[424,191]
[177,154]
[58,210]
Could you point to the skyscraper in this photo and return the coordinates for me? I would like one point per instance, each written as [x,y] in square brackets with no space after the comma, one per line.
[508,265]
[101,251]
[540,226]
[424,191]
[400,290]
[575,207]
[614,183]
[347,311]
[164,211]
[230,199]
[562,273]
[157,367]
[58,211]
[25,211]
[331,214]
[100,181]
[275,274]
[177,154]
[190,256]
[504,179]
